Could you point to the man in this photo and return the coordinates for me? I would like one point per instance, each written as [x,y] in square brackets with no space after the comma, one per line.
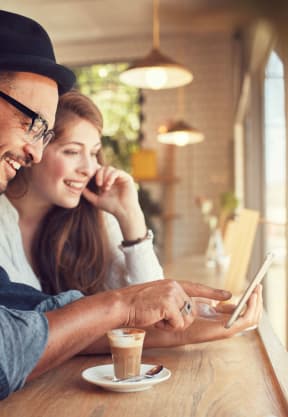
[38,332]
[30,81]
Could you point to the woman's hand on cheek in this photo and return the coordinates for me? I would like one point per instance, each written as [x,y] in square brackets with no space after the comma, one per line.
[91,196]
[117,192]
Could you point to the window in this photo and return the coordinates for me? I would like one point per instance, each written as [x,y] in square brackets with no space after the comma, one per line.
[275,192]
[120,106]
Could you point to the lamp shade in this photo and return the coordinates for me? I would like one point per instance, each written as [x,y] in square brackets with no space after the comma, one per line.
[156,71]
[179,133]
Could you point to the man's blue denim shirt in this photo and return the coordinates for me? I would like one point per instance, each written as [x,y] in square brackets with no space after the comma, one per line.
[23,329]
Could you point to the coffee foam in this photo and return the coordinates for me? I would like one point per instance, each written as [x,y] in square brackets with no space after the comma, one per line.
[125,342]
[126,338]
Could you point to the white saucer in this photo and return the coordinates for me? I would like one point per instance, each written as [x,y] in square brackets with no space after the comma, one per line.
[103,375]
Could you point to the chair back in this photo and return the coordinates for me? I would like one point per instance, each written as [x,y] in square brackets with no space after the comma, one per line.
[238,243]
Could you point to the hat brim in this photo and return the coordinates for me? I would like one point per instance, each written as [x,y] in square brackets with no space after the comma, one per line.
[63,76]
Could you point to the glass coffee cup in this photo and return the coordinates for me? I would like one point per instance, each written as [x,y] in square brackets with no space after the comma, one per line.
[126,347]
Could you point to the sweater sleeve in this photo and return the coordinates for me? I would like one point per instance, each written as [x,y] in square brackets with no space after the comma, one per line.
[130,265]
[23,337]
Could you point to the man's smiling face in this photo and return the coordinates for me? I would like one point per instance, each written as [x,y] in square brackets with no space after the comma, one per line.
[40,94]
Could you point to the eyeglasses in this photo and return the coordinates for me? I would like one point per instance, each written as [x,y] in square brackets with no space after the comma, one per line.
[38,129]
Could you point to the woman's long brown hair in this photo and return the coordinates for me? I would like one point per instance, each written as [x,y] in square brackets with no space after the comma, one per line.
[69,249]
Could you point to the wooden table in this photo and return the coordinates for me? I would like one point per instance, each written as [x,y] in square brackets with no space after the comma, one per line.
[245,376]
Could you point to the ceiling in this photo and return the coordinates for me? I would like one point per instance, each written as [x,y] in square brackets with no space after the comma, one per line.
[68,21]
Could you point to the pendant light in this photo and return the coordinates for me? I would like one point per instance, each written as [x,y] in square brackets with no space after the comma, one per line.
[156,71]
[178,132]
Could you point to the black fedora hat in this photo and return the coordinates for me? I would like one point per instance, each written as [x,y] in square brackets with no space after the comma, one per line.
[26,47]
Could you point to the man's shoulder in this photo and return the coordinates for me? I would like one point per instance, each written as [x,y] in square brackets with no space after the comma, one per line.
[18,296]
[9,214]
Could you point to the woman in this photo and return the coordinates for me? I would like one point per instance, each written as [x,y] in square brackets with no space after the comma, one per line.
[60,235]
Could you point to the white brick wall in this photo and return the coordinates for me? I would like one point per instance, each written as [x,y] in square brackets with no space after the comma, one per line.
[205,168]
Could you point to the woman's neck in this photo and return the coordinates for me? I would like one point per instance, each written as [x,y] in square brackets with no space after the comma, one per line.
[31,210]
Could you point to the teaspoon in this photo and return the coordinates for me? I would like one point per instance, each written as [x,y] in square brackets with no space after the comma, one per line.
[149,374]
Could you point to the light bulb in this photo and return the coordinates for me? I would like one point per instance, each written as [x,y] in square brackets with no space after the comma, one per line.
[181,138]
[155,78]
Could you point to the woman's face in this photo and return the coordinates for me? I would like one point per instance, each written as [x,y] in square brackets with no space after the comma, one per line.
[67,165]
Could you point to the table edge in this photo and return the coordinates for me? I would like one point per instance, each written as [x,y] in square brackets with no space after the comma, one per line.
[276,352]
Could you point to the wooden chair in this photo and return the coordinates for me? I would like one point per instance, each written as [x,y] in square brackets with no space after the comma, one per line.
[238,244]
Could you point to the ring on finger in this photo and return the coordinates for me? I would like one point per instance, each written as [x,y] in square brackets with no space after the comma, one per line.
[187,308]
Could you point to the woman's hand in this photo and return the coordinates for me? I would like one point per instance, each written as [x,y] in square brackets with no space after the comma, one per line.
[118,196]
[117,191]
[212,327]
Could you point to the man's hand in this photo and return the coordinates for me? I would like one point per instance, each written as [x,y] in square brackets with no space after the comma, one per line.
[211,327]
[77,327]
[160,303]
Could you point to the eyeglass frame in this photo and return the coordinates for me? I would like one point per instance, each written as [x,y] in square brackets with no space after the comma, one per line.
[34,116]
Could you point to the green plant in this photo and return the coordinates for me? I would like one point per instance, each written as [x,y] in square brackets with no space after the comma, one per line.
[120,106]
[217,213]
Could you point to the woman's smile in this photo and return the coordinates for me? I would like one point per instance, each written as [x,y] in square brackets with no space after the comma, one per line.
[75,186]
